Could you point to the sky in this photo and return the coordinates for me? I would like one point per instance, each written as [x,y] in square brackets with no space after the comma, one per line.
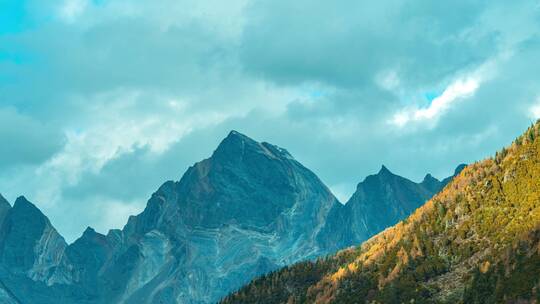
[101,101]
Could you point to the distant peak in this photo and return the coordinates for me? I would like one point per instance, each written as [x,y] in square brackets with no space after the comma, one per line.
[25,206]
[91,233]
[4,205]
[234,141]
[459,168]
[236,145]
[22,201]
[3,200]
[238,135]
[89,230]
[429,178]
[384,171]
[235,133]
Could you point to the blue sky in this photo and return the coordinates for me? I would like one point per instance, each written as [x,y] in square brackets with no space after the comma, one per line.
[11,16]
[102,101]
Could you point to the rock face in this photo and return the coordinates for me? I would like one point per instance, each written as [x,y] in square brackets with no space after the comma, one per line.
[243,212]
[31,251]
[248,209]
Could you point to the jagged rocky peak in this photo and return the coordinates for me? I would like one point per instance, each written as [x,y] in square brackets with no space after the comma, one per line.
[91,238]
[429,178]
[246,210]
[384,171]
[384,176]
[3,201]
[89,253]
[247,182]
[431,183]
[236,146]
[4,209]
[29,242]
[91,233]
[25,211]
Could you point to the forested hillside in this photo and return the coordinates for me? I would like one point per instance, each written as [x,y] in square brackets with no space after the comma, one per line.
[477,241]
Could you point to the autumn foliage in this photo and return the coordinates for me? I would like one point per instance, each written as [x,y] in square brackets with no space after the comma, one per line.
[477,241]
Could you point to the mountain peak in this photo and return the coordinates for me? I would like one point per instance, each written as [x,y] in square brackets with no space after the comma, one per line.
[236,133]
[234,145]
[4,209]
[3,201]
[21,201]
[459,168]
[429,178]
[233,134]
[235,137]
[89,231]
[23,207]
[384,171]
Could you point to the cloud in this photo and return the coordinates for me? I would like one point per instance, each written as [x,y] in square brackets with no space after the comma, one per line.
[102,101]
[119,131]
[347,44]
[25,140]
[456,91]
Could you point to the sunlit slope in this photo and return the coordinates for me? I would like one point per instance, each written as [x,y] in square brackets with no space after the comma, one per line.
[474,242]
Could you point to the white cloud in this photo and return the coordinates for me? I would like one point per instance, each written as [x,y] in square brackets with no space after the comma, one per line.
[460,89]
[457,90]
[117,128]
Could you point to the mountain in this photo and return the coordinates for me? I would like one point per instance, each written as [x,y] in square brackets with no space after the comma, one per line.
[4,209]
[477,241]
[380,201]
[31,250]
[249,209]
[246,210]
